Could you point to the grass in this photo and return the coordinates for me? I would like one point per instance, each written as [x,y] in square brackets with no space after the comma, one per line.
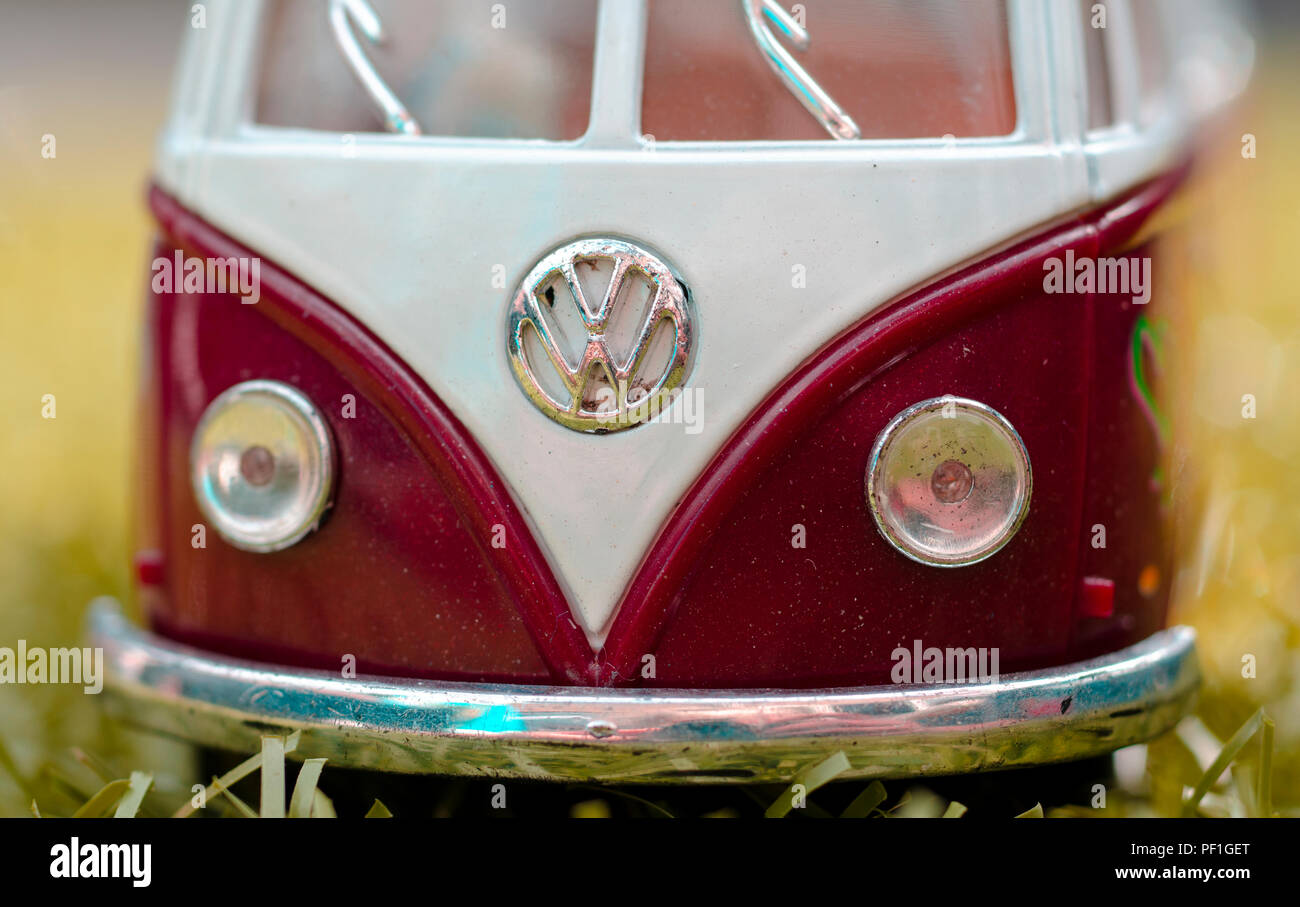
[73,240]
[55,792]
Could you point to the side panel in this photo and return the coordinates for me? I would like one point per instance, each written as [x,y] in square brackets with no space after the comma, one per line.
[402,574]
[728,597]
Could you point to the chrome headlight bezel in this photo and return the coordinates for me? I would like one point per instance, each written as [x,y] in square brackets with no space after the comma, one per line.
[282,421]
[1008,452]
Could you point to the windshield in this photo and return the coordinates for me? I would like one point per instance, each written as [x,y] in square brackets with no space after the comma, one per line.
[462,67]
[715,71]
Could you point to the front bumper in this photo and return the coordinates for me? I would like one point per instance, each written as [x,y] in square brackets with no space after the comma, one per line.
[653,736]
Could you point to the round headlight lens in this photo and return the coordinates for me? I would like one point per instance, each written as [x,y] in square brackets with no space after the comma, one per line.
[949,481]
[262,465]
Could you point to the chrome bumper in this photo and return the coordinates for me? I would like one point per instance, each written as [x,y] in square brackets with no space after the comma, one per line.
[660,736]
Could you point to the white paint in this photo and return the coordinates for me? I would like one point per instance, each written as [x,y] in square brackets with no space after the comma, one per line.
[404,233]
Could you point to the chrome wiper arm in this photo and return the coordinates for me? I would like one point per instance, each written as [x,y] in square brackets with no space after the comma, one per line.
[343,13]
[761,14]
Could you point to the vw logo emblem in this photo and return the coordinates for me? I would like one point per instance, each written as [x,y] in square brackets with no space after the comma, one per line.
[600,335]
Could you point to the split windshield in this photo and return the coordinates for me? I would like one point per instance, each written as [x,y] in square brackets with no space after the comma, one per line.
[714,71]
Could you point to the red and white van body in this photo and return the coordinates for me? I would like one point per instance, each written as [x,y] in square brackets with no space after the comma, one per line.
[492,585]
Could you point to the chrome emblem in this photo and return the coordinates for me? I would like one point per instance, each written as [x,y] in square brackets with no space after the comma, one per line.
[610,366]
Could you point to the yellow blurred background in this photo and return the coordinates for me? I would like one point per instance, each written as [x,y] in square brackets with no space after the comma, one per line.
[73,261]
[73,266]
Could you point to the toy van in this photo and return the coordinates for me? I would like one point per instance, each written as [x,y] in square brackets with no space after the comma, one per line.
[664,391]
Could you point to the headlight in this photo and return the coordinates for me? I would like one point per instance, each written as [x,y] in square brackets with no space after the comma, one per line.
[262,465]
[949,481]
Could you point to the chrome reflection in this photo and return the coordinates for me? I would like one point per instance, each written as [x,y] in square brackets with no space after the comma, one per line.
[262,465]
[614,364]
[683,736]
[343,14]
[949,482]
[761,14]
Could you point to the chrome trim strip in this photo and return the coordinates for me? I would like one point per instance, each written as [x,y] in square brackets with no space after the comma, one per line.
[680,736]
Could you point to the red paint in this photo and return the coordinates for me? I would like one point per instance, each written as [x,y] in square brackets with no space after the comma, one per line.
[1123,457]
[149,567]
[1098,597]
[722,599]
[401,573]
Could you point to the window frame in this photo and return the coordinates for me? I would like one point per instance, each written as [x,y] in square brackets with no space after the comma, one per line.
[614,119]
[1142,139]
